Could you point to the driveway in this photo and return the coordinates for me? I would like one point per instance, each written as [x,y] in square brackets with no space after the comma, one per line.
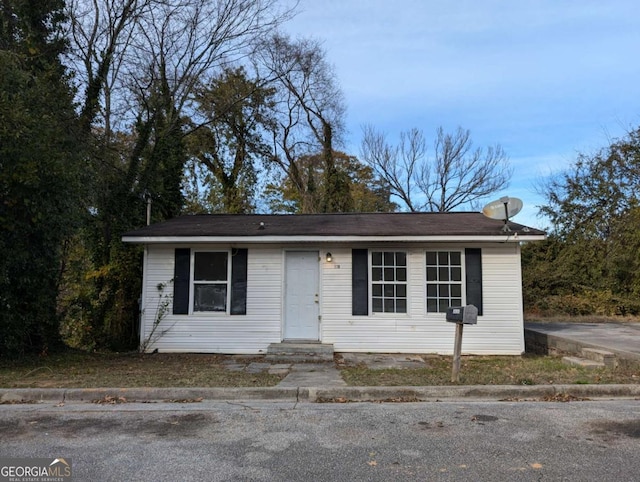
[622,339]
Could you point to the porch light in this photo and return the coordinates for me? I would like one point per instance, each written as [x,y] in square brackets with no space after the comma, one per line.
[329,258]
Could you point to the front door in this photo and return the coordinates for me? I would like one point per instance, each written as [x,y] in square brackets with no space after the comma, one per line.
[301,300]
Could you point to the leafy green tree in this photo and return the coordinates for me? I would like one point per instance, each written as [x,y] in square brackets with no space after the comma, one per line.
[588,199]
[592,252]
[41,173]
[230,142]
[366,193]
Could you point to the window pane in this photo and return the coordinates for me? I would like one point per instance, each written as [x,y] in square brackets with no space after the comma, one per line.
[443,257]
[401,306]
[443,274]
[389,306]
[456,274]
[210,297]
[443,291]
[389,274]
[401,291]
[431,258]
[377,290]
[210,267]
[432,291]
[401,258]
[376,258]
[456,301]
[401,274]
[432,305]
[376,274]
[432,274]
[454,257]
[443,305]
[388,258]
[377,305]
[456,290]
[388,291]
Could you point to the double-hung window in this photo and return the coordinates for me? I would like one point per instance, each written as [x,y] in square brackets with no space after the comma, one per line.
[444,280]
[211,274]
[389,281]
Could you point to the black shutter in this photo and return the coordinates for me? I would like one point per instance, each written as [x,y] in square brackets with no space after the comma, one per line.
[239,281]
[181,277]
[360,282]
[473,267]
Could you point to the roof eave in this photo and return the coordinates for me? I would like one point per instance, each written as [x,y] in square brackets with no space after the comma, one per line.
[499,238]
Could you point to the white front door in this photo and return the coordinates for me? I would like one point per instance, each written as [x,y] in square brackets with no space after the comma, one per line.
[301,296]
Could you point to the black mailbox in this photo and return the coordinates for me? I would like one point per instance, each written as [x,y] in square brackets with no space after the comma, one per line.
[467,315]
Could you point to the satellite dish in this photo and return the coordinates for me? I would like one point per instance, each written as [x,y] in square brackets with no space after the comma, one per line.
[503,209]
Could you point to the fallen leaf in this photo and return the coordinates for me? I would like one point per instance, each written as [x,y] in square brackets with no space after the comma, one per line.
[110,399]
[372,463]
[563,397]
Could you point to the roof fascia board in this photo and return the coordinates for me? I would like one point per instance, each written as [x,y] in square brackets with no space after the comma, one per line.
[512,238]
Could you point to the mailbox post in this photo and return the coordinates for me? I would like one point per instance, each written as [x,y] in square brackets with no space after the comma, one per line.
[460,315]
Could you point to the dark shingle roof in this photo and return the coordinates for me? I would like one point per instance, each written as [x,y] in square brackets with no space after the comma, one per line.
[351,224]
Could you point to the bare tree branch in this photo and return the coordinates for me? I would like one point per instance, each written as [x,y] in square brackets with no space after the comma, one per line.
[457,175]
[310,109]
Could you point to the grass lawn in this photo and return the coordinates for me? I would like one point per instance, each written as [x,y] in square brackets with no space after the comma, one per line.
[490,370]
[95,370]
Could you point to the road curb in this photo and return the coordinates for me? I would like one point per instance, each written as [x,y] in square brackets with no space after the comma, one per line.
[321,394]
[471,392]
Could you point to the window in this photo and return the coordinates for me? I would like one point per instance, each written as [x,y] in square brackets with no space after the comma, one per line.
[210,281]
[389,281]
[444,280]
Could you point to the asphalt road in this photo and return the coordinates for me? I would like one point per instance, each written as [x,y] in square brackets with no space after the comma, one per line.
[285,441]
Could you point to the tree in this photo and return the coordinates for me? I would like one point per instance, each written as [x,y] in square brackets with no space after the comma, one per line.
[138,63]
[310,113]
[588,199]
[366,192]
[230,142]
[595,209]
[41,180]
[457,176]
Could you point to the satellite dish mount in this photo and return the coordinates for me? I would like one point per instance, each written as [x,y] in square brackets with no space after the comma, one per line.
[502,209]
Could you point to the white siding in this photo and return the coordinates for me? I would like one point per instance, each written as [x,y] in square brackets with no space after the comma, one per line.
[499,330]
[214,332]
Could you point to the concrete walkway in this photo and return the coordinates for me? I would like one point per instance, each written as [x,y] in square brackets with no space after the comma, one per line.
[313,375]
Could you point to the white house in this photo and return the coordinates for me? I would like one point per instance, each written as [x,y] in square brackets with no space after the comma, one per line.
[360,282]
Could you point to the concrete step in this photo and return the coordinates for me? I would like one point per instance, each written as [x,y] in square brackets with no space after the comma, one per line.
[602,356]
[300,352]
[582,362]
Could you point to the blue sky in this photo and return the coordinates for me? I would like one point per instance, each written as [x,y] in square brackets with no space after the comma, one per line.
[544,79]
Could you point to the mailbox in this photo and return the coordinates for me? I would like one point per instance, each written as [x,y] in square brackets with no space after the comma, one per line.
[467,315]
